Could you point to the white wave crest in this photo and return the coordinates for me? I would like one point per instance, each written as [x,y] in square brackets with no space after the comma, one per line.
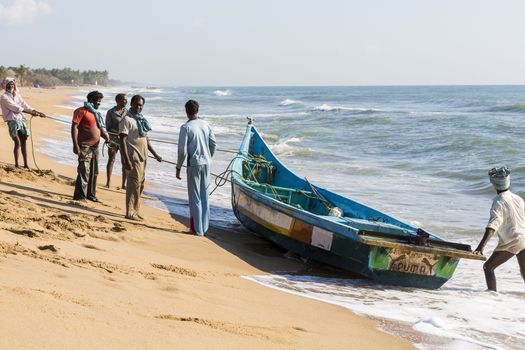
[289,102]
[284,148]
[153,89]
[327,108]
[222,93]
[294,139]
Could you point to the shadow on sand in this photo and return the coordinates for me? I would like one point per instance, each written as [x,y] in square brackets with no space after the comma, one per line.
[252,249]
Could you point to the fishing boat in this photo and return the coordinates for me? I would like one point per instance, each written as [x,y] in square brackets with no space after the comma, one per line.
[315,223]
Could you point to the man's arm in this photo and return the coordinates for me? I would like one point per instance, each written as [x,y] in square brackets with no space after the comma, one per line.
[77,118]
[19,105]
[124,150]
[152,150]
[123,128]
[181,150]
[488,233]
[212,142]
[26,106]
[108,117]
[74,138]
[497,215]
[104,134]
[103,131]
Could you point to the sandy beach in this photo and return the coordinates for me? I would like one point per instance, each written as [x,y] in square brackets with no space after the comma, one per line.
[79,275]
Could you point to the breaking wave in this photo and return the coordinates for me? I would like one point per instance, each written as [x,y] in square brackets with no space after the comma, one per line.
[327,108]
[222,93]
[286,148]
[518,107]
[289,102]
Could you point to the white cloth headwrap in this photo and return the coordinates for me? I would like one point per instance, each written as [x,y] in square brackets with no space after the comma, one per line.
[500,178]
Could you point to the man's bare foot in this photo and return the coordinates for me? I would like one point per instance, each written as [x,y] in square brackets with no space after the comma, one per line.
[107,185]
[134,217]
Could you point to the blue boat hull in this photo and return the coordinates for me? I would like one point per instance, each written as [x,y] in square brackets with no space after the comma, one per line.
[355,260]
[272,201]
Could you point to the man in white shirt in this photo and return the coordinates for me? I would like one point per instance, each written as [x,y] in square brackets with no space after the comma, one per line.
[197,146]
[507,219]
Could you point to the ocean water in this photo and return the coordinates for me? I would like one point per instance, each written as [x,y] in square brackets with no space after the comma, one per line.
[419,153]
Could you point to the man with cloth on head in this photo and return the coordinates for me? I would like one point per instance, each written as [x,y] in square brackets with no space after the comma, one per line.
[86,128]
[197,144]
[13,107]
[507,219]
[134,145]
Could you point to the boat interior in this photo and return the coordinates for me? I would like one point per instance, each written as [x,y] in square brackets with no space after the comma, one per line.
[260,174]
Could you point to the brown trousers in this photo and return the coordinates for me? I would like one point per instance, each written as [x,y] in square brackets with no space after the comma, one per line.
[135,179]
[87,170]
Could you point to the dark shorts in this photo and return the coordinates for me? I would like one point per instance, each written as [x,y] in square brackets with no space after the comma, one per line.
[114,143]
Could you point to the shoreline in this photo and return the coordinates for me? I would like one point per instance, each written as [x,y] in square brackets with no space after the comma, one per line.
[80,274]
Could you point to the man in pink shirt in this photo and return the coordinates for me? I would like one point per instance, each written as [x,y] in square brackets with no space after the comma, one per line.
[13,107]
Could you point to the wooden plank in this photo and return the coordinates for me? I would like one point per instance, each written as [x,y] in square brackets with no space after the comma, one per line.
[412,238]
[379,242]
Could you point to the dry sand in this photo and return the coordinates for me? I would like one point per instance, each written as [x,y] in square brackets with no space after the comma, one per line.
[79,275]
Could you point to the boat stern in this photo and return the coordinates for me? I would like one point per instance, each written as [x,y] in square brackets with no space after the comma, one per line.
[410,268]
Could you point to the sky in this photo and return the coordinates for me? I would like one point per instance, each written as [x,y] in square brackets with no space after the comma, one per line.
[286,42]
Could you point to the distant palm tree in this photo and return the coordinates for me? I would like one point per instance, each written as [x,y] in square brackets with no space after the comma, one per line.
[23,72]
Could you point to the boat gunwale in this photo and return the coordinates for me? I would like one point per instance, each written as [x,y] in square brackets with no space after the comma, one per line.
[296,213]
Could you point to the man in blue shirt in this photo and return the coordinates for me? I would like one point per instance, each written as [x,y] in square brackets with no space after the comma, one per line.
[197,145]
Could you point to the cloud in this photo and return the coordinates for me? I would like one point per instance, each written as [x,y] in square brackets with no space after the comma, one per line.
[23,12]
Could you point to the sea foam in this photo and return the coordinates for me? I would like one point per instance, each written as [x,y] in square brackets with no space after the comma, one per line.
[460,311]
[328,108]
[285,148]
[290,102]
[222,93]
[155,98]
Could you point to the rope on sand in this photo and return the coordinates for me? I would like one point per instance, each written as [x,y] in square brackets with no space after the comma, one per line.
[33,144]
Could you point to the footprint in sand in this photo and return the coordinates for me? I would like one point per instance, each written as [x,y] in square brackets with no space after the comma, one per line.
[268,333]
[50,247]
[91,246]
[176,269]
[25,232]
[118,227]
